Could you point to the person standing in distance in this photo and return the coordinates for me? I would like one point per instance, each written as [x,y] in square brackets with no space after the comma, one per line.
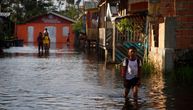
[40,42]
[46,32]
[46,42]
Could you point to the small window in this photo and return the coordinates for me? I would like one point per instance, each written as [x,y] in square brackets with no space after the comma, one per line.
[65,31]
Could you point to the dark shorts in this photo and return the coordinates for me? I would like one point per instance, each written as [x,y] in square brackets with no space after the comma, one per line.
[131,83]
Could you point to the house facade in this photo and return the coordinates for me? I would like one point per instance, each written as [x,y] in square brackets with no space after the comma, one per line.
[92,25]
[170,32]
[135,12]
[108,10]
[59,28]
[166,29]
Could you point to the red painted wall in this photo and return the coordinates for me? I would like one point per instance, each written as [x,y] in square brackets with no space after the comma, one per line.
[21,32]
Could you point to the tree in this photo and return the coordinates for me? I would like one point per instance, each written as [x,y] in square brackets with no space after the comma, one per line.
[77,27]
[21,10]
[70,1]
[78,3]
[123,26]
[72,12]
[61,2]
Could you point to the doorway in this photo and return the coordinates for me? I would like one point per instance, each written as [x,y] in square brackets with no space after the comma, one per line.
[30,33]
[52,33]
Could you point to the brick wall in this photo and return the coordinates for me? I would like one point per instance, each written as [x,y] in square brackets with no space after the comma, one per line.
[179,37]
[167,7]
[183,11]
[184,29]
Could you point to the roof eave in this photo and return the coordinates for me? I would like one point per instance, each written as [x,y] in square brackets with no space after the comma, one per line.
[69,19]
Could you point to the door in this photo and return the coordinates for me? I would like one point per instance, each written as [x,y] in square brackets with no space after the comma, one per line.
[30,31]
[52,33]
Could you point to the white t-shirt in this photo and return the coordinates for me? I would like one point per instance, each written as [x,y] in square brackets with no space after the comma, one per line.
[132,69]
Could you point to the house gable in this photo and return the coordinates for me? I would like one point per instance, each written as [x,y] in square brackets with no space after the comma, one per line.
[50,17]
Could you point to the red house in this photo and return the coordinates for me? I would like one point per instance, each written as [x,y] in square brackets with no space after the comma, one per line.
[59,28]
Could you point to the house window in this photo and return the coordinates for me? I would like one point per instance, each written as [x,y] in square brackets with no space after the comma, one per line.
[65,31]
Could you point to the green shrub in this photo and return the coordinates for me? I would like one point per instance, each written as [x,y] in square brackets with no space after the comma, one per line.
[148,68]
[77,27]
[183,75]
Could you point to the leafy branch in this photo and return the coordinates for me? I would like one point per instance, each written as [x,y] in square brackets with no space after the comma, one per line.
[77,27]
[124,25]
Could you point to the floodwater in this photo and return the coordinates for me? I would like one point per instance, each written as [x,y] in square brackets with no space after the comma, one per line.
[66,79]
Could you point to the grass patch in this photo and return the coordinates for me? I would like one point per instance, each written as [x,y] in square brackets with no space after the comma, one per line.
[184,75]
[148,68]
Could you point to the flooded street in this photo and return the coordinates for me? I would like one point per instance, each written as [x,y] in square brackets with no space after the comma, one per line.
[63,80]
[67,79]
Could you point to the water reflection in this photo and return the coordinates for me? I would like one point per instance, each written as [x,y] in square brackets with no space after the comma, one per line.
[131,105]
[52,45]
[64,79]
[155,85]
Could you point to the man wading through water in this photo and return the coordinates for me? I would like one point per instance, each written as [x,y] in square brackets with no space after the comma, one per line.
[131,72]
